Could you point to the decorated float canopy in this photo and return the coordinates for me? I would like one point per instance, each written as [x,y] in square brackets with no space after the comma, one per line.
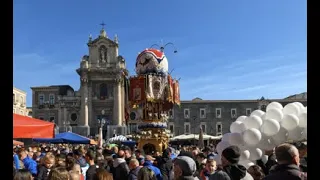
[151,61]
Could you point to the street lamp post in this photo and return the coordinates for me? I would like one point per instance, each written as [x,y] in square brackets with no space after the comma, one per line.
[101,122]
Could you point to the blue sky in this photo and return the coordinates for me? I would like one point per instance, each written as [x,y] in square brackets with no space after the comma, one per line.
[226,49]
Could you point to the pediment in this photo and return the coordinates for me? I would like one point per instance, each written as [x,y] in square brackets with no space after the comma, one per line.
[102,40]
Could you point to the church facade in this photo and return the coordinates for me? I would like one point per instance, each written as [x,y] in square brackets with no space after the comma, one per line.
[101,94]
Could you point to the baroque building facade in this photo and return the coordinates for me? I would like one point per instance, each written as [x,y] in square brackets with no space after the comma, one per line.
[101,93]
[216,116]
[19,102]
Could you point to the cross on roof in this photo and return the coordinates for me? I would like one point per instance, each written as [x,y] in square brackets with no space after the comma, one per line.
[102,24]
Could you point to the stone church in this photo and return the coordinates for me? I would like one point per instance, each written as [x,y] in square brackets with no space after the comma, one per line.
[101,94]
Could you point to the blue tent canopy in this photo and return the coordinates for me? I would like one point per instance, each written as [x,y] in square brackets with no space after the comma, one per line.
[67,137]
[129,143]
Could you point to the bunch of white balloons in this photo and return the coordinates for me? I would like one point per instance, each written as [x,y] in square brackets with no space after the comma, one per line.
[262,131]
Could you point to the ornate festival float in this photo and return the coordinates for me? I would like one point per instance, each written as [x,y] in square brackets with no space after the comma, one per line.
[152,93]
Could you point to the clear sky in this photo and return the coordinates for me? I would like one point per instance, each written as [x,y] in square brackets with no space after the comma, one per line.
[227,49]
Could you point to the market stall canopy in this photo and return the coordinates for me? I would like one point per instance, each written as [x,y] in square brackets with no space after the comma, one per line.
[27,127]
[66,137]
[194,136]
[17,143]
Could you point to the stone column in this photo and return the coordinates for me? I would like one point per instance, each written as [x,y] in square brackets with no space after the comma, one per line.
[83,127]
[117,103]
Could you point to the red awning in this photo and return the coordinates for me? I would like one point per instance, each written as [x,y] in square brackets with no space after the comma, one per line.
[27,127]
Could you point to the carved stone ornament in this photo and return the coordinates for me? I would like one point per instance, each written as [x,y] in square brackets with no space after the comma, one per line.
[84,80]
[103,54]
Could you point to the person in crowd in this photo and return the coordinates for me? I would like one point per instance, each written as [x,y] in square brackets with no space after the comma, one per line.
[184,168]
[149,163]
[22,174]
[60,160]
[256,172]
[141,160]
[145,173]
[210,168]
[120,167]
[201,161]
[59,173]
[138,153]
[270,162]
[134,169]
[90,157]
[230,167]
[128,155]
[45,168]
[288,164]
[302,147]
[165,164]
[28,163]
[74,175]
[102,174]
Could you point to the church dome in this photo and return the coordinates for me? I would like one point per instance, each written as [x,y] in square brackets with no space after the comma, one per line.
[152,61]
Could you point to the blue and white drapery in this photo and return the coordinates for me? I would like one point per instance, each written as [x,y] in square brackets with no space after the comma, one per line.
[119,138]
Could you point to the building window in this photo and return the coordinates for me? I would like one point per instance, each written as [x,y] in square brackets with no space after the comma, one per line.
[171,128]
[103,91]
[218,112]
[21,100]
[187,113]
[14,98]
[219,128]
[41,118]
[51,99]
[170,114]
[203,126]
[41,99]
[233,112]
[21,113]
[187,128]
[248,111]
[202,113]
[73,117]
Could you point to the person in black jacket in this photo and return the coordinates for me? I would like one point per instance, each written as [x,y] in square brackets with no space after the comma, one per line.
[120,167]
[134,169]
[270,162]
[288,161]
[165,164]
[45,168]
[90,157]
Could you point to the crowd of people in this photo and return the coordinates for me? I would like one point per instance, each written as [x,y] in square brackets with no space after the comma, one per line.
[82,162]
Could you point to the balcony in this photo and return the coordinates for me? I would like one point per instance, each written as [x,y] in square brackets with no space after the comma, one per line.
[41,106]
[23,105]
[15,102]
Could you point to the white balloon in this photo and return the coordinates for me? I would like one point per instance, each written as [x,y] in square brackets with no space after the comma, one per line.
[246,163]
[289,122]
[281,136]
[295,134]
[252,136]
[217,158]
[274,105]
[253,122]
[237,127]
[270,127]
[236,139]
[241,118]
[255,154]
[225,137]
[263,117]
[305,109]
[221,146]
[257,112]
[304,133]
[264,159]
[291,108]
[245,155]
[266,143]
[303,119]
[300,105]
[274,114]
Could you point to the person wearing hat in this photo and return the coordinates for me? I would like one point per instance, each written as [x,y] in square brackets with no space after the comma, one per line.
[231,170]
[184,168]
[149,163]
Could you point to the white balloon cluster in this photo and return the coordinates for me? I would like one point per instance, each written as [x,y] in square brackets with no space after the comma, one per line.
[263,131]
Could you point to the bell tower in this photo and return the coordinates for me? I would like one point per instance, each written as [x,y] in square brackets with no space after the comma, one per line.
[102,90]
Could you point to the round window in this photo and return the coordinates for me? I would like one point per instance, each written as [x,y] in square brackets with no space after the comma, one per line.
[74,117]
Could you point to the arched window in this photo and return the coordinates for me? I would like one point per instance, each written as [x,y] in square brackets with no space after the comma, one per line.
[103,91]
